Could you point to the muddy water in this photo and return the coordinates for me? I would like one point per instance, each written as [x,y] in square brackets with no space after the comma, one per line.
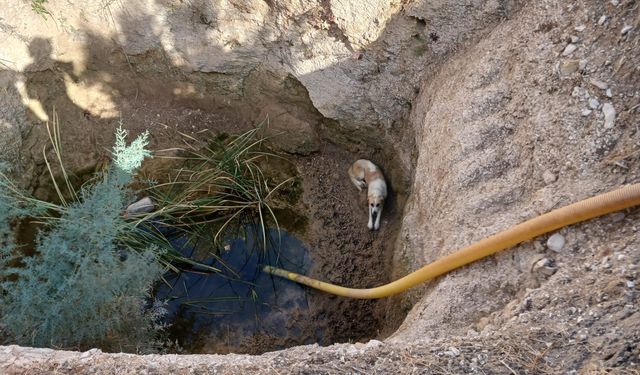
[242,309]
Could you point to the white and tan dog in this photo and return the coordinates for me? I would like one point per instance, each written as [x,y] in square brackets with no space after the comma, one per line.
[365,173]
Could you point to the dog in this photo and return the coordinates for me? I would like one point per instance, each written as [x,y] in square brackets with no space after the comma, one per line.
[365,173]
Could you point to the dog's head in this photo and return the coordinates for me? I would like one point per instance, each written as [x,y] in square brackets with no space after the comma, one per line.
[375,204]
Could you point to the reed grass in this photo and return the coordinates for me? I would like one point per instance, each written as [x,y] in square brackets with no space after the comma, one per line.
[220,188]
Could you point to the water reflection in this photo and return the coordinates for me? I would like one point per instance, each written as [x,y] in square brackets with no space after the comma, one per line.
[241,309]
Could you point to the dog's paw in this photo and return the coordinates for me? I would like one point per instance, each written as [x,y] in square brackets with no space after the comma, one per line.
[377,226]
[370,226]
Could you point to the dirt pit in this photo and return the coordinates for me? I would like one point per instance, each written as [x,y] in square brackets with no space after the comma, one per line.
[324,235]
[329,215]
[326,212]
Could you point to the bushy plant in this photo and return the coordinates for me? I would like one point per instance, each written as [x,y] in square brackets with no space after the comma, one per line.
[83,288]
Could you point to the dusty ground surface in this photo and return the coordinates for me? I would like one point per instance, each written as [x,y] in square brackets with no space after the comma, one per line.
[513,127]
[509,127]
[345,250]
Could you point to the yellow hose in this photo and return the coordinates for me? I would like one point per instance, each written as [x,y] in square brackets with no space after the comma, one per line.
[625,197]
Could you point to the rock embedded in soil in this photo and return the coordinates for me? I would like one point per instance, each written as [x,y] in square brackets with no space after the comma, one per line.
[556,242]
[602,20]
[617,217]
[569,49]
[599,84]
[583,64]
[548,177]
[569,67]
[609,115]
[545,266]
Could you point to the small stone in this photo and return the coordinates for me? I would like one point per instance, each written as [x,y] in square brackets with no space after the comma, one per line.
[626,29]
[569,49]
[548,270]
[594,103]
[574,39]
[631,284]
[609,93]
[556,242]
[545,266]
[90,353]
[548,177]
[599,84]
[453,352]
[582,64]
[615,3]
[585,112]
[569,67]
[144,205]
[580,28]
[602,20]
[578,92]
[609,115]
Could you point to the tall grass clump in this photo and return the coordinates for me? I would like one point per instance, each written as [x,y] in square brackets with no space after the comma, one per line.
[83,287]
[221,187]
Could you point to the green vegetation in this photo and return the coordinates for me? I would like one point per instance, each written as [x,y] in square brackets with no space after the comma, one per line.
[89,282]
[38,7]
[222,186]
[82,288]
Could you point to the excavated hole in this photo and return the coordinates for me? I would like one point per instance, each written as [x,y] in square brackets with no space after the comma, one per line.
[326,226]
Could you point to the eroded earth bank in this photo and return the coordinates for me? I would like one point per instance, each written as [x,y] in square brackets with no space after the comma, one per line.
[482,113]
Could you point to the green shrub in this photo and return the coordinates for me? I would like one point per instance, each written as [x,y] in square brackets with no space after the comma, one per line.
[82,288]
